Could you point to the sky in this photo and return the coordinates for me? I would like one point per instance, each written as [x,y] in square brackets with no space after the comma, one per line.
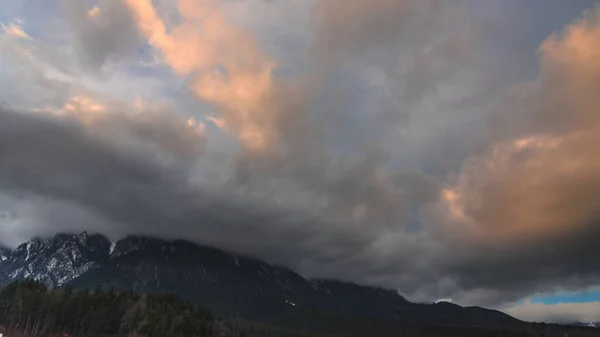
[444,149]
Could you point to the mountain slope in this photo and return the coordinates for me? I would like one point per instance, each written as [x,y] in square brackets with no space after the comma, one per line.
[231,285]
[234,285]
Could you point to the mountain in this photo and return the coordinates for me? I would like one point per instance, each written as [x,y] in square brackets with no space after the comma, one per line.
[55,261]
[106,313]
[229,284]
[4,253]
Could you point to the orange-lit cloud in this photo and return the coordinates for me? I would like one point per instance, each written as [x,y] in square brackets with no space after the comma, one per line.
[131,122]
[94,12]
[84,107]
[543,184]
[15,31]
[80,108]
[14,40]
[227,68]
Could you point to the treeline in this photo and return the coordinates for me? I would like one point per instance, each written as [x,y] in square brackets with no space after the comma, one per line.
[30,309]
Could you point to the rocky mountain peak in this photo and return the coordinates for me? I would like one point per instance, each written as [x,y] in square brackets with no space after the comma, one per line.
[132,244]
[55,261]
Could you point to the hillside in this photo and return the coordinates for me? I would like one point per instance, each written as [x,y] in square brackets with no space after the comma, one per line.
[236,288]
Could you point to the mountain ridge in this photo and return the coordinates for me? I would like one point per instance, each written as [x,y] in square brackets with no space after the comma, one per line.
[231,285]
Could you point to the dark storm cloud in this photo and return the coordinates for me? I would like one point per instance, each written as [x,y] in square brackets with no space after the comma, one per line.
[518,216]
[135,193]
[58,160]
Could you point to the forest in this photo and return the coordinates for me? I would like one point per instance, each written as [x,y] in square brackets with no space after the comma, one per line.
[29,309]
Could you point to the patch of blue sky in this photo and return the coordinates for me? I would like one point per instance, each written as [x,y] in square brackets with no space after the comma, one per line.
[577,297]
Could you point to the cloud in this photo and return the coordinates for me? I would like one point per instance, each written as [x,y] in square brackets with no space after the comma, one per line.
[557,313]
[102,33]
[389,155]
[94,12]
[135,126]
[13,31]
[120,185]
[27,82]
[275,119]
[530,197]
[228,69]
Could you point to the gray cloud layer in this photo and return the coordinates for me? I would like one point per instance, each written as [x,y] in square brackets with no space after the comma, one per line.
[420,173]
